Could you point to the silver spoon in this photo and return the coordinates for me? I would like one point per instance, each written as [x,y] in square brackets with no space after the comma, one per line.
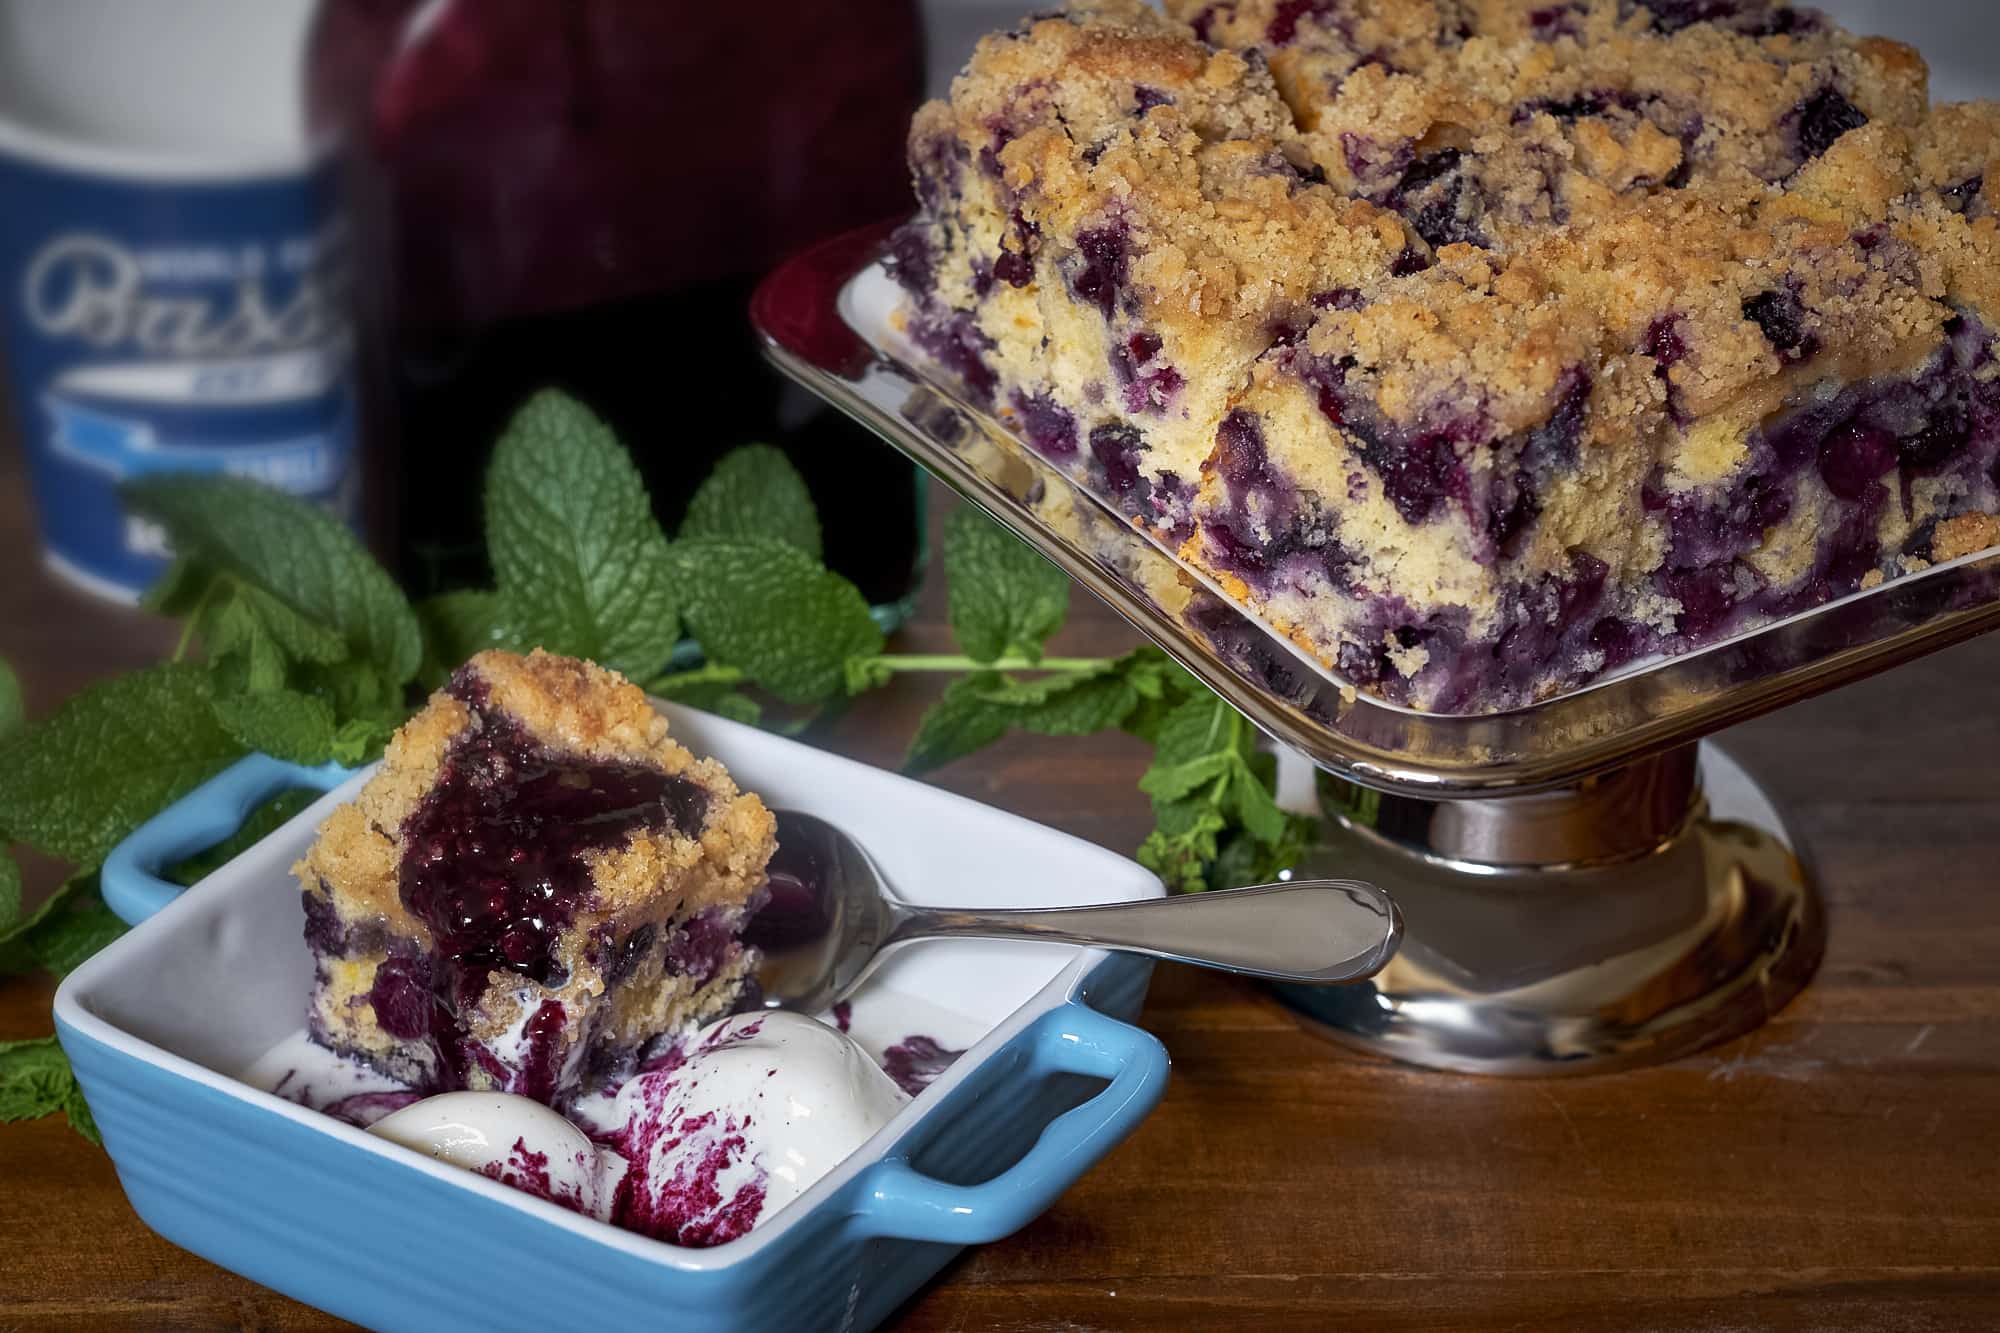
[832,919]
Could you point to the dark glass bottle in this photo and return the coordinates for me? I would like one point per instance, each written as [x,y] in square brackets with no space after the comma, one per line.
[583,193]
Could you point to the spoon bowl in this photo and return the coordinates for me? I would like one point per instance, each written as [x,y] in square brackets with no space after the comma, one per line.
[832,918]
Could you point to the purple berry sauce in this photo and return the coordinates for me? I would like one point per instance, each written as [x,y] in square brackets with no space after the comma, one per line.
[495,858]
[915,1062]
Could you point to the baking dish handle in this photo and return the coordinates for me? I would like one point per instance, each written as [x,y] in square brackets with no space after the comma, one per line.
[901,1202]
[130,880]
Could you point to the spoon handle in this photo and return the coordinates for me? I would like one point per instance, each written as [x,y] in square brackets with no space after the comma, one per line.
[1318,931]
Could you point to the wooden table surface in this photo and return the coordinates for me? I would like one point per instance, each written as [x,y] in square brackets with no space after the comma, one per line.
[1838,1169]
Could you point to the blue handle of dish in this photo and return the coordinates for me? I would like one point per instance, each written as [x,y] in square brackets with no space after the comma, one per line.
[130,880]
[900,1202]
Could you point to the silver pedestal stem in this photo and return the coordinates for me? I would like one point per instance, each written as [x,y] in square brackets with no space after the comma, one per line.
[1622,921]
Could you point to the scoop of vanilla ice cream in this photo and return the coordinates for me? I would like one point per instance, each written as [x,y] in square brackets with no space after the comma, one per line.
[513,1140]
[763,1105]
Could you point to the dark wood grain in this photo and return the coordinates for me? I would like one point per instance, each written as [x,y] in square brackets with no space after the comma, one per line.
[1838,1169]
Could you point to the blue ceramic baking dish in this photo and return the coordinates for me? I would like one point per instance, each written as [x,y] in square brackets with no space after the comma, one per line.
[161,1025]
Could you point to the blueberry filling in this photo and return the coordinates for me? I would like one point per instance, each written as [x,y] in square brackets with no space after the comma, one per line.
[700,949]
[1283,28]
[1946,419]
[1822,119]
[1854,459]
[1513,503]
[1420,470]
[1375,167]
[1116,448]
[1099,274]
[495,859]
[908,258]
[401,997]
[989,156]
[1781,315]
[1014,268]
[1411,260]
[1148,98]
[1050,427]
[1668,349]
[1571,109]
[955,342]
[1964,196]
[1670,16]
[1439,199]
[324,934]
[1553,21]
[636,946]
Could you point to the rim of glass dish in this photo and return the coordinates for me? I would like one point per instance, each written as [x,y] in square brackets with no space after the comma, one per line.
[799,313]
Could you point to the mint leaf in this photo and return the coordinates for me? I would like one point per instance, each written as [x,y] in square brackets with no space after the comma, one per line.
[65,939]
[755,493]
[282,723]
[354,691]
[17,952]
[459,624]
[12,714]
[1180,849]
[35,1078]
[961,721]
[77,1111]
[1172,782]
[1219,823]
[1077,704]
[360,740]
[1191,732]
[980,708]
[109,759]
[712,688]
[242,651]
[1004,597]
[10,891]
[299,638]
[1255,808]
[580,559]
[263,821]
[774,612]
[301,556]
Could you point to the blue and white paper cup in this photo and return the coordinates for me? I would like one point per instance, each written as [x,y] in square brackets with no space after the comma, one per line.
[174,272]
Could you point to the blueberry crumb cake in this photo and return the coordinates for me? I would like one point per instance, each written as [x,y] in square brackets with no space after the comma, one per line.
[1480,346]
[536,884]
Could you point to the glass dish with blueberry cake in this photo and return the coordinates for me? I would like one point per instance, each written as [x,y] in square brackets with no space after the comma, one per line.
[536,884]
[1480,347]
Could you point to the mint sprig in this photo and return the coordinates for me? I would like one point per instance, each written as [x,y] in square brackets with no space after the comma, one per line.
[297,554]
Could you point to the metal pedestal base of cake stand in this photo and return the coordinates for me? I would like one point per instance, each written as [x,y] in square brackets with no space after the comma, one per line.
[1627,920]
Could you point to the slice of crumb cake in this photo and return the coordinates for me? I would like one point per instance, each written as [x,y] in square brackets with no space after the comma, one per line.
[536,883]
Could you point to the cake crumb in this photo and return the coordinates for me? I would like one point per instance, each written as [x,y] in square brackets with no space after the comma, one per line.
[1964,535]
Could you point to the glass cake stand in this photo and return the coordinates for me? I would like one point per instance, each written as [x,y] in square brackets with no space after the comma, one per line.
[1584,886]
